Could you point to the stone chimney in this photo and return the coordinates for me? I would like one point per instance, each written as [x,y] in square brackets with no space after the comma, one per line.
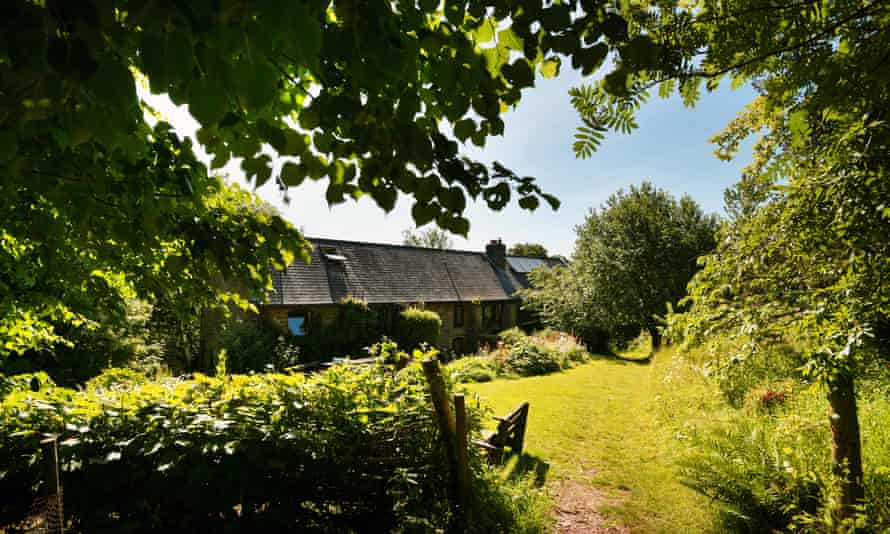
[497,253]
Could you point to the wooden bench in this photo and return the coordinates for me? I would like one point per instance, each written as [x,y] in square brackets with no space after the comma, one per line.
[510,433]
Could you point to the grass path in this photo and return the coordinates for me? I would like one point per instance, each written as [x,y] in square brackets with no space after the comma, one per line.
[597,425]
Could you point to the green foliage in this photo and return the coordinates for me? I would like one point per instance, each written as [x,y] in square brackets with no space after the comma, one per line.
[388,353]
[429,238]
[557,300]
[511,336]
[738,369]
[795,262]
[417,327]
[513,505]
[353,93]
[765,475]
[527,359]
[254,345]
[532,250]
[516,353]
[633,258]
[355,328]
[472,369]
[178,337]
[764,459]
[337,451]
[609,105]
[95,350]
[95,347]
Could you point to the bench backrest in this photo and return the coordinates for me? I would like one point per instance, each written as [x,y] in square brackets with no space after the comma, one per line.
[511,429]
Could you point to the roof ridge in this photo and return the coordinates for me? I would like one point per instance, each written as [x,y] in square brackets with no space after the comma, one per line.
[557,257]
[392,245]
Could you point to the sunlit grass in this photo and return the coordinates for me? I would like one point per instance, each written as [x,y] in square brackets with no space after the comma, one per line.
[598,423]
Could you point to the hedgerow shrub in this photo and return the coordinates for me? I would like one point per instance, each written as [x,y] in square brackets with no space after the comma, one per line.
[416,327]
[345,450]
[472,369]
[94,348]
[528,359]
[355,328]
[256,345]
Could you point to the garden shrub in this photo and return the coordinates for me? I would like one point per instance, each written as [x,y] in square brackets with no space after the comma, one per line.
[255,345]
[528,359]
[512,336]
[352,450]
[355,328]
[417,327]
[517,353]
[472,369]
[568,347]
[388,353]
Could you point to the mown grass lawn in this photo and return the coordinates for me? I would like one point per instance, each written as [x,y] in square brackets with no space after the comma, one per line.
[598,424]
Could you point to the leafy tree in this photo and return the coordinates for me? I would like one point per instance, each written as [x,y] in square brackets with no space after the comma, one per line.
[633,258]
[430,238]
[560,299]
[531,250]
[101,201]
[806,253]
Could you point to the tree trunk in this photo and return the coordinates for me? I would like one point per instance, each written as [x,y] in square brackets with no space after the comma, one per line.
[656,337]
[846,447]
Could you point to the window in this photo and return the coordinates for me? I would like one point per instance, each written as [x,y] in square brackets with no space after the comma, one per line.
[458,315]
[491,315]
[296,323]
[332,254]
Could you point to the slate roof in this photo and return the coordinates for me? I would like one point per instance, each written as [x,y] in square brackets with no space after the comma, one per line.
[522,265]
[381,273]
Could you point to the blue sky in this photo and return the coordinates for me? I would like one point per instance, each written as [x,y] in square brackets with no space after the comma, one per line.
[670,149]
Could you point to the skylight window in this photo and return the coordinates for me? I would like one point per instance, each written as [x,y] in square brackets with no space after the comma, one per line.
[332,254]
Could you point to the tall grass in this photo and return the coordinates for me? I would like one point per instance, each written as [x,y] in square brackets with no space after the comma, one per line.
[755,437]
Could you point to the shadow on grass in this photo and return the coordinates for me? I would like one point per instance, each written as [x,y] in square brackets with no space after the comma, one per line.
[525,465]
[625,359]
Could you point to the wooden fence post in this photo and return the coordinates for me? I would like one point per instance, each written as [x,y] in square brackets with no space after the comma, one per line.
[54,515]
[440,401]
[454,435]
[462,455]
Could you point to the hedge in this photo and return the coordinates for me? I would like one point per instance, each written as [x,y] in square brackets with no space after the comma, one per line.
[257,345]
[345,450]
[355,328]
[416,327]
